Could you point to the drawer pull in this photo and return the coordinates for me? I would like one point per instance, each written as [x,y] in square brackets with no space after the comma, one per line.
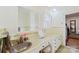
[42,46]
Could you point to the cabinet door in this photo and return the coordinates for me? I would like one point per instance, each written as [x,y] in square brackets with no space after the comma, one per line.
[35,51]
[52,42]
[55,43]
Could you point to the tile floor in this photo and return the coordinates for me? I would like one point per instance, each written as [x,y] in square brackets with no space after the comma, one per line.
[67,49]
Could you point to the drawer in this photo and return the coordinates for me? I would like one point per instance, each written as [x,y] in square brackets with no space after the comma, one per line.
[52,40]
[35,51]
[44,44]
[55,45]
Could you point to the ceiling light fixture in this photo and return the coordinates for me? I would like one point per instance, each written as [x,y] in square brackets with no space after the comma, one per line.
[54,9]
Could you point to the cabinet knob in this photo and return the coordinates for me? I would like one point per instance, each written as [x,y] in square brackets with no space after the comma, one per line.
[42,46]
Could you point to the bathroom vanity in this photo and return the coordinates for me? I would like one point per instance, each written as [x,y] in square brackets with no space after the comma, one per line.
[49,43]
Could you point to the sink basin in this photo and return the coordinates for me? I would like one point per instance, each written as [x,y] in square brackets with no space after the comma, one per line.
[21,47]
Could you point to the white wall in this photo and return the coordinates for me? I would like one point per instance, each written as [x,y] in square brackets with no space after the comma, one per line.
[9,18]
[23,19]
[33,21]
[58,20]
[27,19]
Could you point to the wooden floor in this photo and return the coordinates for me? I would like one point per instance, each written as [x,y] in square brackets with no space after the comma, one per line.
[73,43]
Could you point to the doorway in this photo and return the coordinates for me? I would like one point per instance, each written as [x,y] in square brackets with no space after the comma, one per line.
[72,21]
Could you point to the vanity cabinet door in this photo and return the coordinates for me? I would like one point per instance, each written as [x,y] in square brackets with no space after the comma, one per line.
[35,51]
[55,43]
[44,44]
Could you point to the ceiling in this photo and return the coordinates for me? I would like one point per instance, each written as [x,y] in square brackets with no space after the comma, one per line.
[65,9]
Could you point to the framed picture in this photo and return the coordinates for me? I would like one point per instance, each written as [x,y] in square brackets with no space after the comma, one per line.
[73,26]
